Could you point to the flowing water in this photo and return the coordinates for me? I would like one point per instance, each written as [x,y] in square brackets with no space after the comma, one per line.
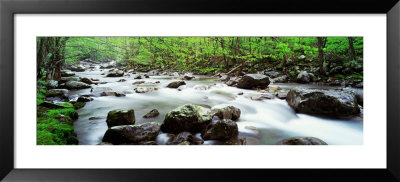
[261,122]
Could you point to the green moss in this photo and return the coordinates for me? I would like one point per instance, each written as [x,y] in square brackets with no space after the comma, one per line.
[70,112]
[79,105]
[66,104]
[45,138]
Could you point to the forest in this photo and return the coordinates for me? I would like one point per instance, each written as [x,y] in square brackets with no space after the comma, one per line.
[75,73]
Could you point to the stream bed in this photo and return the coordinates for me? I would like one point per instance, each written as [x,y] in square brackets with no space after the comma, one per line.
[262,122]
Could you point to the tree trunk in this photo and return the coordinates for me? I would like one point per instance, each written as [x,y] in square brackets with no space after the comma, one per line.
[351,48]
[320,43]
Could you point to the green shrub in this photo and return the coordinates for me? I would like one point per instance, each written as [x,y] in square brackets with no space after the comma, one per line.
[45,138]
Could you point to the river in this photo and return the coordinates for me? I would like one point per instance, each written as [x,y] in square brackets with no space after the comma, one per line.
[262,122]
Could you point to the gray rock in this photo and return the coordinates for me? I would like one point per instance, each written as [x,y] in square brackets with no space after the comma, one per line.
[272,74]
[221,130]
[229,112]
[76,85]
[189,117]
[61,93]
[67,73]
[153,113]
[83,98]
[322,102]
[176,84]
[132,134]
[120,117]
[145,89]
[302,141]
[52,84]
[115,73]
[249,81]
[303,77]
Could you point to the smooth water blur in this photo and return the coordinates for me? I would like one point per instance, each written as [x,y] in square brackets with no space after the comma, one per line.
[261,122]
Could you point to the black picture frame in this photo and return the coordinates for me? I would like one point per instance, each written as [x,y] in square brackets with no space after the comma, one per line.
[8,8]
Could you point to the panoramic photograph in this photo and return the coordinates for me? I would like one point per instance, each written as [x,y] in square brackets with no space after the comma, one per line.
[199,90]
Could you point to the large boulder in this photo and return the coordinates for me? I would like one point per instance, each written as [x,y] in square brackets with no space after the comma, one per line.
[221,130]
[132,134]
[67,73]
[84,98]
[176,84]
[115,73]
[76,85]
[302,141]
[249,81]
[229,112]
[120,117]
[189,117]
[322,102]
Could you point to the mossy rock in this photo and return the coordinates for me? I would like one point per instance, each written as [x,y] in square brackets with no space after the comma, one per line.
[189,117]
[120,117]
[78,105]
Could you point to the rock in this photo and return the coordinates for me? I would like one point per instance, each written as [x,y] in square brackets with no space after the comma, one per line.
[224,78]
[229,112]
[116,94]
[146,76]
[176,84]
[50,105]
[121,64]
[180,138]
[95,79]
[359,85]
[302,58]
[153,113]
[156,82]
[188,76]
[249,81]
[76,85]
[78,105]
[303,77]
[78,68]
[261,97]
[189,117]
[221,130]
[121,80]
[233,81]
[138,77]
[358,93]
[52,84]
[138,82]
[66,79]
[281,79]
[175,74]
[274,89]
[106,66]
[272,74]
[115,73]
[240,93]
[120,117]
[145,89]
[322,102]
[98,90]
[66,73]
[281,95]
[302,141]
[87,81]
[148,143]
[152,73]
[83,98]
[128,134]
[96,118]
[61,93]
